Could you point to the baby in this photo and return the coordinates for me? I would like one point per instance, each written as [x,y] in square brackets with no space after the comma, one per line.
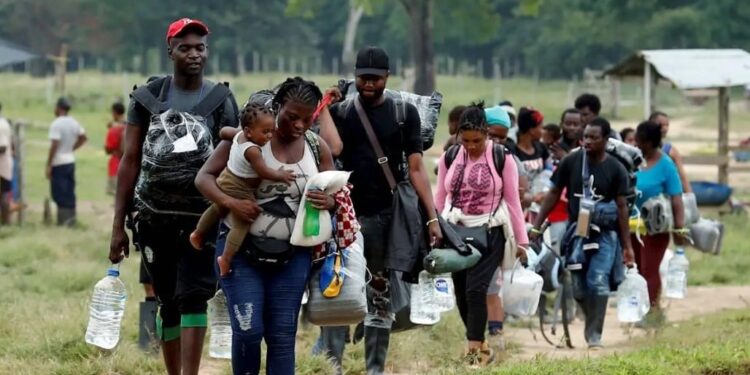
[551,134]
[245,169]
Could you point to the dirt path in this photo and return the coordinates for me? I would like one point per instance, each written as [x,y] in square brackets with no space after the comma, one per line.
[700,301]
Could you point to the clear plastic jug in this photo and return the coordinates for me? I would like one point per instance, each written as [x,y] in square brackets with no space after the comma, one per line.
[632,297]
[521,291]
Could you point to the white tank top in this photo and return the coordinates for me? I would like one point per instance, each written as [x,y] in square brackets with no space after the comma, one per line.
[267,225]
[237,163]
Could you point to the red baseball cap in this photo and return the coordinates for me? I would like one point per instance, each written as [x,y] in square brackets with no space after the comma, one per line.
[178,26]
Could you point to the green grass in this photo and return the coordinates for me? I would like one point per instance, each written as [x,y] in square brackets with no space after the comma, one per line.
[717,344]
[47,273]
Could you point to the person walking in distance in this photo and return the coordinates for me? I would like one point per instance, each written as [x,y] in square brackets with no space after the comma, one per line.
[66,136]
[6,170]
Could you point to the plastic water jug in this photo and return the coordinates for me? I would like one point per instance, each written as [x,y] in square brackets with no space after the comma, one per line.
[632,297]
[220,343]
[521,290]
[445,297]
[677,275]
[424,308]
[106,310]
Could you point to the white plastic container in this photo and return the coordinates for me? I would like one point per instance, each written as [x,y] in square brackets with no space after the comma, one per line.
[632,297]
[220,342]
[521,291]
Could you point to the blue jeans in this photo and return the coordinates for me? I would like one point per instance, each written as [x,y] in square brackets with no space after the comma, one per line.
[264,304]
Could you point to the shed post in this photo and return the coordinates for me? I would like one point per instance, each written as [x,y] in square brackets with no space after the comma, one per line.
[647,88]
[724,134]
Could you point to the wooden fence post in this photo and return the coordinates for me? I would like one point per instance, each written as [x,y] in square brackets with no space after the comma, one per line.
[724,134]
[18,142]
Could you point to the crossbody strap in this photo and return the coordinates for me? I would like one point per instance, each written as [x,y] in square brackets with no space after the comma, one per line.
[382,159]
[586,176]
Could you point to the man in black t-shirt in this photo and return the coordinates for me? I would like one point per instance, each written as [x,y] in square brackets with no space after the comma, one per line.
[371,195]
[610,184]
[572,129]
[167,213]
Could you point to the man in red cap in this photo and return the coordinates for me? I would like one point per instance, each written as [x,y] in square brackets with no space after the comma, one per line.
[155,181]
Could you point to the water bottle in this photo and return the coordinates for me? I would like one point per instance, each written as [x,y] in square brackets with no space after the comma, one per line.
[106,309]
[220,344]
[424,309]
[311,225]
[677,275]
[445,299]
[632,297]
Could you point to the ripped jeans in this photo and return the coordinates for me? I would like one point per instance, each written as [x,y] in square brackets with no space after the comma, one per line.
[264,304]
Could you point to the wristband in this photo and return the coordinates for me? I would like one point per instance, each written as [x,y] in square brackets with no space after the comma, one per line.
[535,231]
[681,231]
[427,224]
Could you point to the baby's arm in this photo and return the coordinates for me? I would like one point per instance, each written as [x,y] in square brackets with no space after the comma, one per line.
[227,133]
[255,157]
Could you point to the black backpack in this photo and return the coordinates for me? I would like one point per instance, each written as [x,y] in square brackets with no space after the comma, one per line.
[176,146]
[498,157]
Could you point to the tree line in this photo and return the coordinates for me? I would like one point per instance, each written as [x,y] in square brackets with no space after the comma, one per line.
[549,39]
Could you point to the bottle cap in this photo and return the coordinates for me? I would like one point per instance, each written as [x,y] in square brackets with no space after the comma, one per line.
[113,272]
[680,250]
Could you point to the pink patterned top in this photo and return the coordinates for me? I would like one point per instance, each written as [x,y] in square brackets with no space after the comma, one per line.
[481,188]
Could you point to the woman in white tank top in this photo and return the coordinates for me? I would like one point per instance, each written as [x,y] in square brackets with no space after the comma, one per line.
[264,299]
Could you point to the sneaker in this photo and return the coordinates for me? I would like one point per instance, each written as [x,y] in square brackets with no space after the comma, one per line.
[496,341]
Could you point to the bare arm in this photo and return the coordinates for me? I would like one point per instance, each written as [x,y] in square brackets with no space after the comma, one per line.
[255,157]
[623,215]
[227,133]
[54,145]
[421,183]
[677,158]
[549,202]
[329,133]
[80,141]
[52,151]
[127,174]
[678,211]
[205,181]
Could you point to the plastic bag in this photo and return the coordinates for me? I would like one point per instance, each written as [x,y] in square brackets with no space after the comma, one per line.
[329,182]
[521,290]
[657,214]
[350,305]
[707,235]
[176,146]
[427,106]
[692,214]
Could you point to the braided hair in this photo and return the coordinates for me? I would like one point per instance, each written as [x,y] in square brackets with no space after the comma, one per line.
[473,118]
[528,118]
[298,90]
[251,112]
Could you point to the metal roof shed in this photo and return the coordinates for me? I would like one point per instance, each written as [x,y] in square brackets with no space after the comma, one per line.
[11,54]
[692,69]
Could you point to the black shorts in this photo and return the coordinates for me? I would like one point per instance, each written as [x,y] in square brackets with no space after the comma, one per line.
[143,276]
[183,278]
[5,185]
